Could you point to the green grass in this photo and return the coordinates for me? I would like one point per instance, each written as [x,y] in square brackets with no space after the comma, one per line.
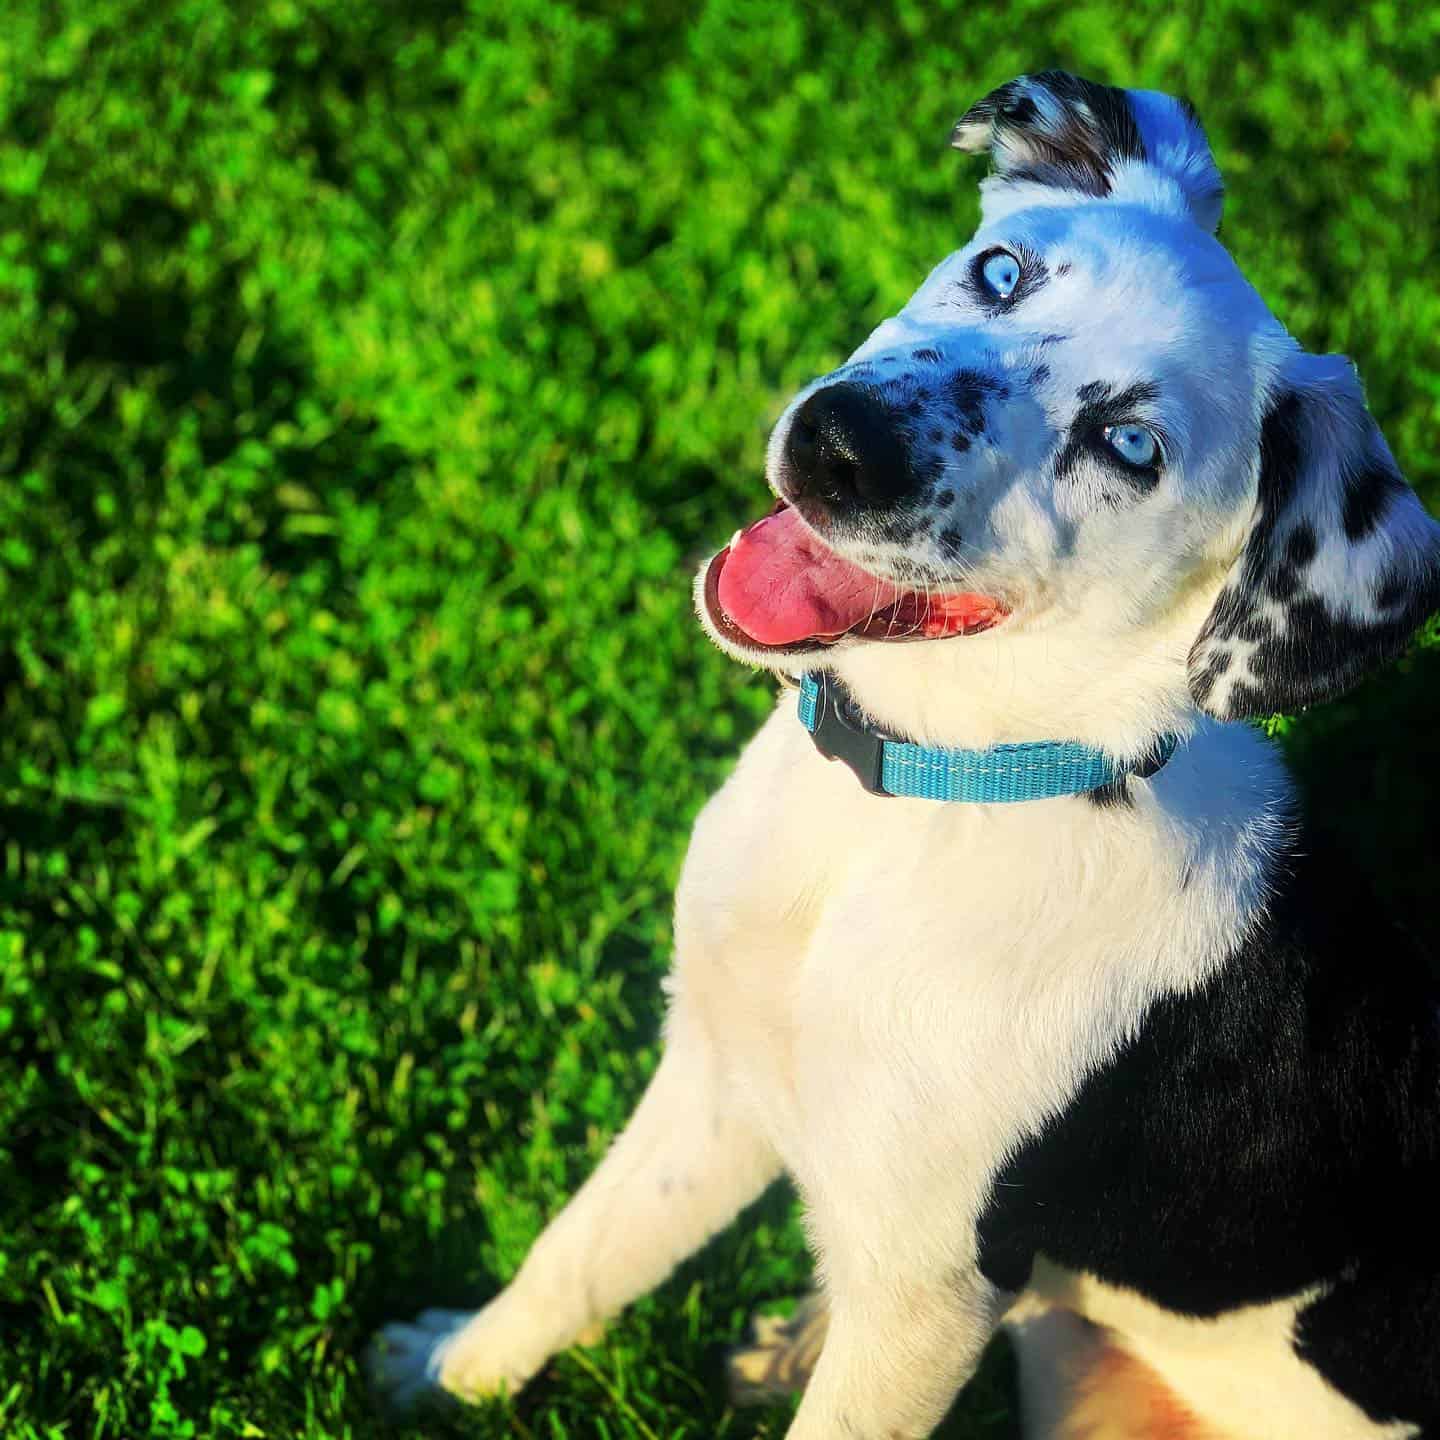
[371,376]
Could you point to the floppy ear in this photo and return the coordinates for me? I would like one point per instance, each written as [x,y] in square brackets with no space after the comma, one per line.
[1055,129]
[1340,565]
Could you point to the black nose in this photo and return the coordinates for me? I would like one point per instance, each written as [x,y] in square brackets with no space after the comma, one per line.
[843,448]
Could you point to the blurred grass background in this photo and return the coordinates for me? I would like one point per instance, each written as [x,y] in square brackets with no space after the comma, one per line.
[371,377]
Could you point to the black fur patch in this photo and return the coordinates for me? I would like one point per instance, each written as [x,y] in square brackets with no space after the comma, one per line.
[1276,1128]
[1020,110]
[1300,550]
[1369,492]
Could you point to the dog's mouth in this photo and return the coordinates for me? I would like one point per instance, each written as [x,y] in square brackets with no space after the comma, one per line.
[778,587]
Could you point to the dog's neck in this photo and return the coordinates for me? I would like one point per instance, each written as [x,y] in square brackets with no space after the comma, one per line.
[1050,677]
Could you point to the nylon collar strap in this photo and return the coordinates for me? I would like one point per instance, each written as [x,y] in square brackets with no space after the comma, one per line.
[1042,770]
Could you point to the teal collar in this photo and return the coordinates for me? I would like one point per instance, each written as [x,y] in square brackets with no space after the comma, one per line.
[884,765]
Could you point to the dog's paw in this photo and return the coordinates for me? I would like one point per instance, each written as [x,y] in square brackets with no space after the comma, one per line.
[780,1354]
[404,1362]
[444,1357]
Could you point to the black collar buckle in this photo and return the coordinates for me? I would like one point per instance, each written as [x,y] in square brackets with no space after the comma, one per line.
[840,734]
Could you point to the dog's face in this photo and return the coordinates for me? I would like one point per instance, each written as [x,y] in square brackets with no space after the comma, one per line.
[1084,422]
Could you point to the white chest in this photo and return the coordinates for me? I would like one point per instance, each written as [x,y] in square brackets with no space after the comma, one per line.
[904,978]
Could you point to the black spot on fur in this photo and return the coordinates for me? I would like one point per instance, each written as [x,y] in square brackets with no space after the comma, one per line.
[1391,591]
[905,528]
[1301,547]
[1040,374]
[945,497]
[1019,110]
[1274,1130]
[960,442]
[1114,796]
[1063,268]
[1287,577]
[936,435]
[1369,492]
[968,392]
[951,542]
[926,355]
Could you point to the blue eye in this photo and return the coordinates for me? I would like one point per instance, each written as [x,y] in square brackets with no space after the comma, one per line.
[1001,273]
[1134,444]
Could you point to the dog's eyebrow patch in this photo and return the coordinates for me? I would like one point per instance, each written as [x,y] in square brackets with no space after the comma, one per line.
[1368,493]
[1100,405]
[1098,393]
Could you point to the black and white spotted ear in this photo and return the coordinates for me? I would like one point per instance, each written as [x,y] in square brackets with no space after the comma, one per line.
[1057,131]
[1340,566]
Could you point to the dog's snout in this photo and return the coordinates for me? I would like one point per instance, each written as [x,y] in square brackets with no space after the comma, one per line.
[843,448]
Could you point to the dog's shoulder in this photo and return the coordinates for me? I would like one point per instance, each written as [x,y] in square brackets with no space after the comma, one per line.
[1274,1129]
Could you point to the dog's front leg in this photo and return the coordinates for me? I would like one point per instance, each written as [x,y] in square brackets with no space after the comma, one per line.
[896,1355]
[684,1166]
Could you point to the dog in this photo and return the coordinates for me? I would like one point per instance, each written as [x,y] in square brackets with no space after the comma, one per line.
[1007,941]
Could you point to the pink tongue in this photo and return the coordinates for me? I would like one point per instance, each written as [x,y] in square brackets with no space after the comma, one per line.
[779,584]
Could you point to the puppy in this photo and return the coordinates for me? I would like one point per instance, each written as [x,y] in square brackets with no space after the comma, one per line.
[1006,942]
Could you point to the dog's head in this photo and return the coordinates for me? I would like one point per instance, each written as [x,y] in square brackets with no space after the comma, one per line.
[1086,457]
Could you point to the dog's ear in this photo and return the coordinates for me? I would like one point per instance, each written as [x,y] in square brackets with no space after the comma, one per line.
[1340,565]
[1057,130]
